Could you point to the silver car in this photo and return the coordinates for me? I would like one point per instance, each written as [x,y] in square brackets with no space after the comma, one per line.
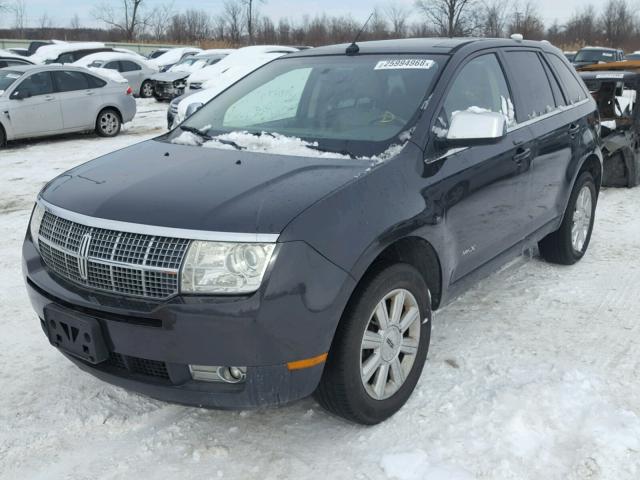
[136,71]
[37,101]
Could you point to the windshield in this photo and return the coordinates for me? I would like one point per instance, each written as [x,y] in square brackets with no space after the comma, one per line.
[359,106]
[594,56]
[7,77]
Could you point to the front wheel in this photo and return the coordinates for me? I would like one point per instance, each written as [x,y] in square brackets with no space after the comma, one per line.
[108,123]
[146,90]
[569,243]
[379,348]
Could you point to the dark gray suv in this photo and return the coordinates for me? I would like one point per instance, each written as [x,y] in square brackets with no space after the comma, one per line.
[295,234]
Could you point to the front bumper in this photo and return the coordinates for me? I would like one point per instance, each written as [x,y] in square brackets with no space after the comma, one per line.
[292,317]
[167,91]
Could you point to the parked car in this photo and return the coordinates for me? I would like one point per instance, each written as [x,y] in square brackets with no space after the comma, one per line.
[169,58]
[570,55]
[47,100]
[8,59]
[23,52]
[242,61]
[63,52]
[133,68]
[616,89]
[170,84]
[591,55]
[156,53]
[296,233]
[632,56]
[210,81]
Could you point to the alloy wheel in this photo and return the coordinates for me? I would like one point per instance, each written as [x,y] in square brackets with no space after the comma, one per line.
[109,123]
[390,344]
[581,219]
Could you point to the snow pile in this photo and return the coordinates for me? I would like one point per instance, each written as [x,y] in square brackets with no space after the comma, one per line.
[51,52]
[273,143]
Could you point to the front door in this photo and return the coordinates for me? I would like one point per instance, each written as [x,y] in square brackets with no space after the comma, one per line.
[483,188]
[39,113]
[79,99]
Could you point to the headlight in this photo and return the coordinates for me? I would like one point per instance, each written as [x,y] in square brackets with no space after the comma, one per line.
[222,267]
[36,221]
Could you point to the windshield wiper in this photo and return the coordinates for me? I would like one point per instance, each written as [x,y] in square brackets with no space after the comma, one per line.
[231,143]
[196,131]
[325,150]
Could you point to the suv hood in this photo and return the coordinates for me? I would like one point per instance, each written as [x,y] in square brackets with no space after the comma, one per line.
[157,183]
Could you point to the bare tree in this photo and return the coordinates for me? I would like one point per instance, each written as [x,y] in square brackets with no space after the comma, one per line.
[450,17]
[618,22]
[378,28]
[527,21]
[582,27]
[398,15]
[159,20]
[494,17]
[45,22]
[74,24]
[251,16]
[233,15]
[129,16]
[19,10]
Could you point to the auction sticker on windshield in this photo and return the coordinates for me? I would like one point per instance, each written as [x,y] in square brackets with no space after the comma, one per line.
[403,63]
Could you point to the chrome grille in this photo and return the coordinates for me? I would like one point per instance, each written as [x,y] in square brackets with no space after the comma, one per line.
[128,263]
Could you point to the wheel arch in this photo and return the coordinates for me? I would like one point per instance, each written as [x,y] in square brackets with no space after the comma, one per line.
[3,135]
[593,165]
[109,107]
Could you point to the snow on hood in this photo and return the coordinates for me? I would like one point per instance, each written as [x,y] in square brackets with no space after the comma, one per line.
[172,56]
[275,143]
[51,52]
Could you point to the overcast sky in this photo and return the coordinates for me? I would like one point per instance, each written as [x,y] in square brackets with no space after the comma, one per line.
[61,11]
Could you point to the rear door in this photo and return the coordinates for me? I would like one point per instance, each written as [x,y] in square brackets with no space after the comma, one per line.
[79,99]
[539,105]
[39,114]
[483,187]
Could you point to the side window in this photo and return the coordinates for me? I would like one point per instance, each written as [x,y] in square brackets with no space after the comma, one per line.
[128,66]
[480,84]
[69,81]
[572,87]
[536,96]
[275,100]
[95,82]
[37,84]
[65,58]
[113,66]
[555,85]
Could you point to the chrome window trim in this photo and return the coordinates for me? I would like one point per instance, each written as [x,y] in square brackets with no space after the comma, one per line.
[158,231]
[557,111]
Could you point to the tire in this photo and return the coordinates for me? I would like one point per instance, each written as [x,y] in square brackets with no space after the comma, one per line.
[343,391]
[3,138]
[562,246]
[146,89]
[108,123]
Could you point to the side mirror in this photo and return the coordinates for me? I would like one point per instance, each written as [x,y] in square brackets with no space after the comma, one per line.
[193,108]
[470,128]
[18,95]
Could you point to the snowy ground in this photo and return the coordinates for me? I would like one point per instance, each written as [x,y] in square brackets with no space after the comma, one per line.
[531,375]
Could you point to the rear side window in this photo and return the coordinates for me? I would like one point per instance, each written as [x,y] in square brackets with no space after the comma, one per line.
[480,84]
[95,82]
[69,81]
[113,66]
[128,66]
[37,84]
[536,96]
[572,87]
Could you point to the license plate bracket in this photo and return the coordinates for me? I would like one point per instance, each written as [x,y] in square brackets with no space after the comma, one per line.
[75,333]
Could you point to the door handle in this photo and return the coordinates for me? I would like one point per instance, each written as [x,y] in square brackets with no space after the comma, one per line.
[89,92]
[48,98]
[574,129]
[521,155]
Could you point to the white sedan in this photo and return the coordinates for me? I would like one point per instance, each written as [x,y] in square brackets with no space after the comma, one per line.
[38,101]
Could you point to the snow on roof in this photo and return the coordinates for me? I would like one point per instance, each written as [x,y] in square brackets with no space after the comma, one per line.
[247,56]
[7,54]
[172,56]
[108,74]
[109,57]
[51,52]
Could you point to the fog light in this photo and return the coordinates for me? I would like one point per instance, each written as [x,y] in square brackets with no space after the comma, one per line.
[211,373]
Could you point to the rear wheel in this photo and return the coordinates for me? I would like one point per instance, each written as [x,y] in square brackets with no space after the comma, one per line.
[108,123]
[146,90]
[3,137]
[569,243]
[380,347]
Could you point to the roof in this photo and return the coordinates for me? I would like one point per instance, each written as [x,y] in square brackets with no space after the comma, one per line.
[607,49]
[109,57]
[53,51]
[420,45]
[51,67]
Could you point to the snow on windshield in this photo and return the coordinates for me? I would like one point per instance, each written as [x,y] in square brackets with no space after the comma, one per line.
[278,144]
